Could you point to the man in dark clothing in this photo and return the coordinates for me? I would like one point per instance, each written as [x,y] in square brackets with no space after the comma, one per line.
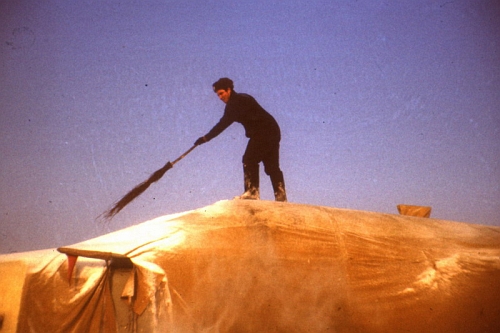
[264,134]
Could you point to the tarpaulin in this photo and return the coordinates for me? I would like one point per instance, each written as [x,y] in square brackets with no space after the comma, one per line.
[248,266]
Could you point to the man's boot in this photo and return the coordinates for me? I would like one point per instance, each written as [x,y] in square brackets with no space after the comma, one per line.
[278,183]
[251,182]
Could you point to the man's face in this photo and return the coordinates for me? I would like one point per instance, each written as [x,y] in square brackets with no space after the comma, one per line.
[224,94]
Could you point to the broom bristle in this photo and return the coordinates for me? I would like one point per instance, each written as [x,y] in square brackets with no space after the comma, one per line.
[138,190]
[135,192]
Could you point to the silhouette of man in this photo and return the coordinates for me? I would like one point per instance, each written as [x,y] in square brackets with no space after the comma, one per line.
[264,139]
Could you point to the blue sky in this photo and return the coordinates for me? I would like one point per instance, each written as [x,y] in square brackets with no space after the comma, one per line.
[380,103]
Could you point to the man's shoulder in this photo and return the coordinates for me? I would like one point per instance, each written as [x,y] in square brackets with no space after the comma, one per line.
[240,99]
[244,95]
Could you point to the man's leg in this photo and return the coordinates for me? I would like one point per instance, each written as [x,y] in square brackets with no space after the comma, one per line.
[251,182]
[278,182]
[272,168]
[251,172]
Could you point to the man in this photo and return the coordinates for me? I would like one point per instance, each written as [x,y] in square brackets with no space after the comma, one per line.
[264,134]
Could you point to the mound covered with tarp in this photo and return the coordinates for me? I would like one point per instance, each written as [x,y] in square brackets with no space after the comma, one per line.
[259,266]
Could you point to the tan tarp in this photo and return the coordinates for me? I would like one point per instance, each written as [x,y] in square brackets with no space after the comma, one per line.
[13,270]
[257,266]
[48,303]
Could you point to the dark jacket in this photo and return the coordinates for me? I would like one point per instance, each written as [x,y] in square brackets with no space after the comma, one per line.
[244,109]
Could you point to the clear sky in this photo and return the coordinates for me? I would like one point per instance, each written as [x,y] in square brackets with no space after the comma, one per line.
[380,103]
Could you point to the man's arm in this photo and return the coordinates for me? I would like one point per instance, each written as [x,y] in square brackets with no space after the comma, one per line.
[223,123]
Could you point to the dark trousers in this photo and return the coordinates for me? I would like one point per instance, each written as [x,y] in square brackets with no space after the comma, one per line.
[268,152]
[265,151]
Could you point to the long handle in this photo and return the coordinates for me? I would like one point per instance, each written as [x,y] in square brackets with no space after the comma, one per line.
[183,155]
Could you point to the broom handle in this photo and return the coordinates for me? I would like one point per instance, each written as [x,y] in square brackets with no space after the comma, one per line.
[183,155]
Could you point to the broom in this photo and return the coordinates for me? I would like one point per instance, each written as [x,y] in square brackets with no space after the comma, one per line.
[139,189]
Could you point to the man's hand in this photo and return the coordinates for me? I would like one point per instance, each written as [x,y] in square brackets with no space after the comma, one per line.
[200,141]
